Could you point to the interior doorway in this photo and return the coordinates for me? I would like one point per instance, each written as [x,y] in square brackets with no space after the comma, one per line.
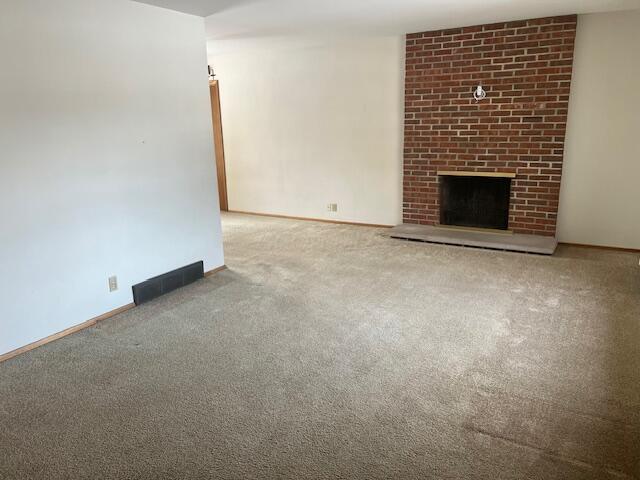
[218,141]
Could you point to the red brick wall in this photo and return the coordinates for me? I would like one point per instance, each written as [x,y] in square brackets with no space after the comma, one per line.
[525,68]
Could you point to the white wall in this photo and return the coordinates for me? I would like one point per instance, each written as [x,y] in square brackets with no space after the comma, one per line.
[600,196]
[107,164]
[311,121]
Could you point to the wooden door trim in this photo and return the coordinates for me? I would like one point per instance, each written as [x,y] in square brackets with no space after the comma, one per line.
[218,141]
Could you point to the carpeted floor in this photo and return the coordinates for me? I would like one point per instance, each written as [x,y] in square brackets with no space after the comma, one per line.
[330,351]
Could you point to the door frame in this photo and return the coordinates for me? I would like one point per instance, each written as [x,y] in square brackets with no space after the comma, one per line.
[218,142]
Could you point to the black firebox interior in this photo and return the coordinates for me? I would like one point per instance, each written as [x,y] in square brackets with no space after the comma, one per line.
[475,201]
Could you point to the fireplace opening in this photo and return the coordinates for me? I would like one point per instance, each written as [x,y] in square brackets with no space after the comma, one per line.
[475,201]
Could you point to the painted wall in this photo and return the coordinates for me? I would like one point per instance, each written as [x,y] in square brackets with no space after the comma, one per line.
[313,121]
[316,121]
[107,164]
[600,195]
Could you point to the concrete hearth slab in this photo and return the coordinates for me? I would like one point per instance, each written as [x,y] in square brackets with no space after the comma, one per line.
[469,238]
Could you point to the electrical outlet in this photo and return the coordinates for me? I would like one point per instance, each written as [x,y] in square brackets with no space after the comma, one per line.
[332,207]
[113,283]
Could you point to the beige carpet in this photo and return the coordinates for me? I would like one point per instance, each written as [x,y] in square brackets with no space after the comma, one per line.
[330,352]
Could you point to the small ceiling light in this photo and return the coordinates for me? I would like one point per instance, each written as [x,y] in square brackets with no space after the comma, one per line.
[479,93]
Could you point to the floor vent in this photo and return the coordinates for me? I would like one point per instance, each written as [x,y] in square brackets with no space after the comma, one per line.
[157,286]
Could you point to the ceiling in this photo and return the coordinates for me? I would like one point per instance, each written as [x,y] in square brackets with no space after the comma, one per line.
[250,18]
[202,8]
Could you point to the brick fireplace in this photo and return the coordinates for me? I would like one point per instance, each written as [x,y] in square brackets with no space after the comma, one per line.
[518,129]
